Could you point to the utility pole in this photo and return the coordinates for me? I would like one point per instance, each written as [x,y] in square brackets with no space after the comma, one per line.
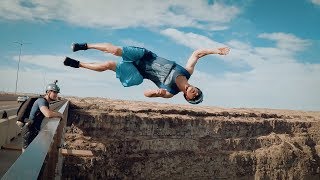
[21,44]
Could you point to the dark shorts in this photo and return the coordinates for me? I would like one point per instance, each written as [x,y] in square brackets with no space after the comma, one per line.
[28,135]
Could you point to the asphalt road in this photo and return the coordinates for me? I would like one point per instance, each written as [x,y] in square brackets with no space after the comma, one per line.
[8,101]
[8,104]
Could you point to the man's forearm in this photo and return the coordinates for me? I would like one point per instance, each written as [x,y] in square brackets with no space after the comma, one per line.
[199,54]
[204,52]
[152,93]
[155,93]
[54,114]
[196,55]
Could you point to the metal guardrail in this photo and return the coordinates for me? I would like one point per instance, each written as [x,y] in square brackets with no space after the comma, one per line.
[32,161]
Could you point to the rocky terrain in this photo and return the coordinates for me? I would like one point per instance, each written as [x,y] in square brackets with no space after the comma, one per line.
[140,140]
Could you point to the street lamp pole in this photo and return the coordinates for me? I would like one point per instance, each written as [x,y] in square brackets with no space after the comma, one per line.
[21,44]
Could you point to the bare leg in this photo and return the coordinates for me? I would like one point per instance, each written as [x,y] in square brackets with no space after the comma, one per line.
[196,55]
[106,47]
[108,65]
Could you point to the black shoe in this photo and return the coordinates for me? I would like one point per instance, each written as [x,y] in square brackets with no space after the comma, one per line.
[71,62]
[79,46]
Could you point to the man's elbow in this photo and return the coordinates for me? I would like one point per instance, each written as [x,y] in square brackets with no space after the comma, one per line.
[167,96]
[49,115]
[147,94]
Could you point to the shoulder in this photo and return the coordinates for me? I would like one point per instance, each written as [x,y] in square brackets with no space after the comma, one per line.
[183,71]
[42,102]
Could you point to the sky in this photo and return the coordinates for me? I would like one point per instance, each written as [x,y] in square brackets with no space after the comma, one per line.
[274,60]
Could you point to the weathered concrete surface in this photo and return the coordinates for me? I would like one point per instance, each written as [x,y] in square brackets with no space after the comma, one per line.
[9,156]
[139,140]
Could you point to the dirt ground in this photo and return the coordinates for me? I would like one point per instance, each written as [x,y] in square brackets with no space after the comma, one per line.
[141,140]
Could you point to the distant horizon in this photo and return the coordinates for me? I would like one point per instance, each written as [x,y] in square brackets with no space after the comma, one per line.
[274,61]
[70,96]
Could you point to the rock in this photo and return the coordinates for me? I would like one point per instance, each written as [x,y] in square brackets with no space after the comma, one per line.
[141,140]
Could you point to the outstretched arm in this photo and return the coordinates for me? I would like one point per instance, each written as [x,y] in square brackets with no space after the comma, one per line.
[157,93]
[196,55]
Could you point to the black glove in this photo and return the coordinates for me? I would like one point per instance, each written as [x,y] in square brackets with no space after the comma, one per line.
[71,62]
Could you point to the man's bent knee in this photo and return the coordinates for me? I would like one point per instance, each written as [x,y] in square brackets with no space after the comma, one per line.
[112,49]
[110,65]
[118,51]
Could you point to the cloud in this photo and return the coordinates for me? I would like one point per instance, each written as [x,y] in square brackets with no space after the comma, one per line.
[316,2]
[123,14]
[51,62]
[239,45]
[287,41]
[131,42]
[197,41]
[191,40]
[287,45]
[276,78]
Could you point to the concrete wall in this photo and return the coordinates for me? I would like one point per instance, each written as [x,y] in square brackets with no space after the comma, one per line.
[8,129]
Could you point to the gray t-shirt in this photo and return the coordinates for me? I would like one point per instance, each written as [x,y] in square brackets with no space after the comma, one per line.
[162,72]
[156,69]
[159,70]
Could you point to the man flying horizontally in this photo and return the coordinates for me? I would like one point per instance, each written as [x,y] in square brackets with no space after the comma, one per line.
[139,63]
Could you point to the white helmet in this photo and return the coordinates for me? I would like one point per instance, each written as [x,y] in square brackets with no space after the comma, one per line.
[53,87]
[196,100]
